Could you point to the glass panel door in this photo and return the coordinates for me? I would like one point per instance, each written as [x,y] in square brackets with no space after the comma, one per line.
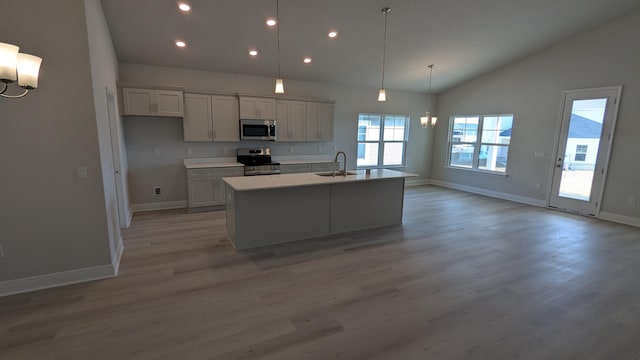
[583,149]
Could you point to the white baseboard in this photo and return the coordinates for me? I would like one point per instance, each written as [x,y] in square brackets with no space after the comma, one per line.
[627,220]
[39,282]
[116,261]
[159,206]
[416,182]
[491,193]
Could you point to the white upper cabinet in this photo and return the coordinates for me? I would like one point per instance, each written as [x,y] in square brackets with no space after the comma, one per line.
[211,118]
[291,120]
[197,125]
[257,108]
[147,102]
[226,121]
[319,121]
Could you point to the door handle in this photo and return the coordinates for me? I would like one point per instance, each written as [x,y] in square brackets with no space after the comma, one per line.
[558,165]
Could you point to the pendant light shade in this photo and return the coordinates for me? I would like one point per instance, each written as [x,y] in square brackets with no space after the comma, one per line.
[382,95]
[429,120]
[279,86]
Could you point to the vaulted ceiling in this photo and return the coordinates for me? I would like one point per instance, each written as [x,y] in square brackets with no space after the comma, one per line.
[463,38]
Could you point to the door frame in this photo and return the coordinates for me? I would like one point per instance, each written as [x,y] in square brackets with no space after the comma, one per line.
[556,146]
[115,125]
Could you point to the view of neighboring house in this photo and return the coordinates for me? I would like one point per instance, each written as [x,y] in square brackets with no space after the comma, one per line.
[582,143]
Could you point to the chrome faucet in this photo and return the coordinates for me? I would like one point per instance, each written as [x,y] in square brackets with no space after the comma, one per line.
[344,164]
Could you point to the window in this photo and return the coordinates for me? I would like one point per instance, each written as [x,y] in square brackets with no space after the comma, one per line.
[581,153]
[382,140]
[480,142]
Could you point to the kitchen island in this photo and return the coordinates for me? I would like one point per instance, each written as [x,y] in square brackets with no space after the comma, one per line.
[266,210]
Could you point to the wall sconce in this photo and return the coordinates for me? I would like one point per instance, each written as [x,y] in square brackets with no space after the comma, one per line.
[15,66]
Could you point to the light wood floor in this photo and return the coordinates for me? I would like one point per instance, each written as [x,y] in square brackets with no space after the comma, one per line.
[465,277]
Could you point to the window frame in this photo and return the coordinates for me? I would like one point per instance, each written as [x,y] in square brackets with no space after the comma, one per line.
[475,161]
[381,142]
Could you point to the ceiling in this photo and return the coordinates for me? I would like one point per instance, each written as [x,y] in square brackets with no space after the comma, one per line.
[462,38]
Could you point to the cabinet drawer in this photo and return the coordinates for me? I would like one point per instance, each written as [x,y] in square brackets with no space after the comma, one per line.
[201,173]
[231,172]
[295,168]
[324,167]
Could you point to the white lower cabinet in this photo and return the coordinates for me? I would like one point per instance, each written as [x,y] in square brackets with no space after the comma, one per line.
[205,186]
[307,167]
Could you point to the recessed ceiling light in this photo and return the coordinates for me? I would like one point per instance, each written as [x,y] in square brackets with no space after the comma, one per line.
[271,22]
[253,52]
[307,60]
[181,44]
[184,7]
[332,34]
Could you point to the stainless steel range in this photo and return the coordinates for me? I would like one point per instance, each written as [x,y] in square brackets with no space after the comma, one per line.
[257,162]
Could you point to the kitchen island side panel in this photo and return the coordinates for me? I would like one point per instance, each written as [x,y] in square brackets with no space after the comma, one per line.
[366,205]
[273,216]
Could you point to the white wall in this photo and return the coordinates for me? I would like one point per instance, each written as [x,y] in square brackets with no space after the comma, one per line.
[531,89]
[166,170]
[104,73]
[51,221]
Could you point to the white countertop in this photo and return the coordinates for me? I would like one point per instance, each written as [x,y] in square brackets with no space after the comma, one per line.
[306,179]
[201,163]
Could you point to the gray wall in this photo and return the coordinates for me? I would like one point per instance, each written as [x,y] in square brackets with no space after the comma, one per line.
[531,89]
[50,221]
[144,134]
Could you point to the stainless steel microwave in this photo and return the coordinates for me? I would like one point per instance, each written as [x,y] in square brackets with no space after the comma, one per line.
[258,130]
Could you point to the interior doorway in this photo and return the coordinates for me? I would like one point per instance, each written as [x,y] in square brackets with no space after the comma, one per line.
[583,146]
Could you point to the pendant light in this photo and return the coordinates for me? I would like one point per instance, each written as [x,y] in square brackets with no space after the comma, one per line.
[382,95]
[429,120]
[279,82]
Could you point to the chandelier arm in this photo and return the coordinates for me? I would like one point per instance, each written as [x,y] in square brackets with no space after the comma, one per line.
[13,96]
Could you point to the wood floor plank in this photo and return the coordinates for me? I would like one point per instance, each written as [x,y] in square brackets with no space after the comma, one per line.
[464,277]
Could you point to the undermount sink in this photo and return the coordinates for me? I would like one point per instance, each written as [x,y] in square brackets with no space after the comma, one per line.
[336,173]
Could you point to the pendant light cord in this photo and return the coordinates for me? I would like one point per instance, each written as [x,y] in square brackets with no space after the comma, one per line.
[384,46]
[278,34]
[430,75]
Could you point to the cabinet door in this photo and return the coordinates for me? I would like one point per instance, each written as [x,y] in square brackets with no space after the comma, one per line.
[197,118]
[266,109]
[226,121]
[257,108]
[169,103]
[295,168]
[138,102]
[290,120]
[203,191]
[319,122]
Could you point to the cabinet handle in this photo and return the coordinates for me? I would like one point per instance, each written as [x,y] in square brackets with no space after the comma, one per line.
[150,108]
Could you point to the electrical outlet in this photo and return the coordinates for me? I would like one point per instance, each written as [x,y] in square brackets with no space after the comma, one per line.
[156,151]
[189,151]
[1,252]
[290,148]
[633,200]
[157,191]
[538,186]
[226,150]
